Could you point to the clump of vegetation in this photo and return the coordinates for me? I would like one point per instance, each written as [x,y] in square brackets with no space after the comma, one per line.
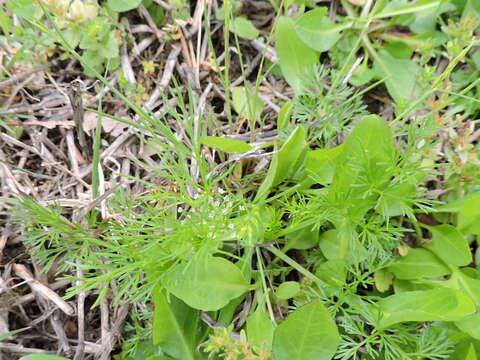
[358,239]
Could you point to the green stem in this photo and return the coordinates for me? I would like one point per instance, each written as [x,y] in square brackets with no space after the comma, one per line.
[298,267]
[437,82]
[226,39]
[264,284]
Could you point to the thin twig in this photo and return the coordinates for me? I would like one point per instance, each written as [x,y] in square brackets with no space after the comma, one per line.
[166,77]
[43,290]
[80,317]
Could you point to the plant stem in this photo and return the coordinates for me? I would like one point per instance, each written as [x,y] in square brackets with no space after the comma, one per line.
[298,267]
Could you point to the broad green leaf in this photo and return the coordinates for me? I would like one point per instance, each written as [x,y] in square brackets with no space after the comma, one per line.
[332,246]
[287,290]
[441,304]
[362,75]
[110,49]
[363,167]
[454,206]
[401,76]
[207,283]
[469,216]
[284,115]
[43,357]
[284,162]
[472,354]
[399,49]
[180,10]
[341,244]
[333,272]
[471,11]
[460,280]
[289,154]
[425,40]
[426,20]
[395,9]
[383,279]
[394,200]
[260,329]
[418,264]
[226,144]
[405,285]
[175,327]
[371,144]
[320,166]
[476,59]
[72,36]
[317,30]
[123,5]
[470,325]
[297,60]
[247,103]
[267,183]
[466,349]
[308,333]
[288,3]
[235,7]
[144,350]
[226,314]
[449,245]
[25,9]
[244,28]
[5,22]
[302,239]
